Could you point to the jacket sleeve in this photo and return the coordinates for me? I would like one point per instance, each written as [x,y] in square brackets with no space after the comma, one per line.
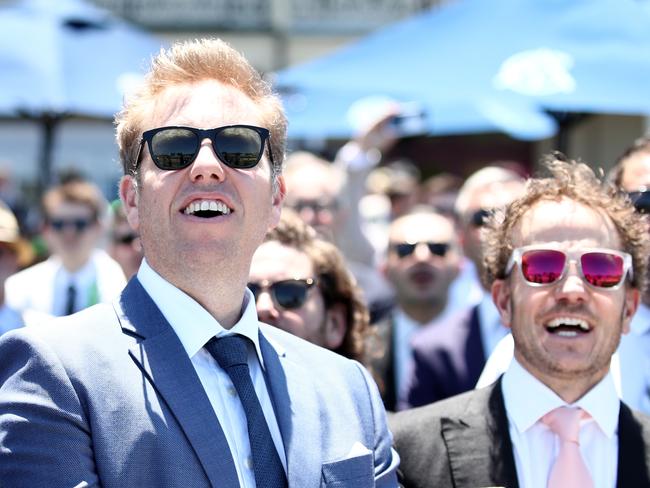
[44,433]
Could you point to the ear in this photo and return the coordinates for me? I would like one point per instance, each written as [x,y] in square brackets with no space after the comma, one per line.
[277,199]
[501,297]
[630,304]
[335,326]
[129,196]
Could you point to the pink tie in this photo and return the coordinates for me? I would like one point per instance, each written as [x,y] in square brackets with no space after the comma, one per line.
[569,468]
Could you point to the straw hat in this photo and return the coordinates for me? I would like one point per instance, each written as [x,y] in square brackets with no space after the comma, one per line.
[10,234]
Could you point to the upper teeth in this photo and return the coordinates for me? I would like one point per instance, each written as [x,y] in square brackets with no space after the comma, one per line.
[203,205]
[568,321]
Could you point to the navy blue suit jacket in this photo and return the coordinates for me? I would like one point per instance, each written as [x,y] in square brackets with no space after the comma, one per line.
[109,397]
[448,358]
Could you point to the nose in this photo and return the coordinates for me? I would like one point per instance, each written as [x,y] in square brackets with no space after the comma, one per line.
[421,252]
[266,310]
[572,287]
[207,165]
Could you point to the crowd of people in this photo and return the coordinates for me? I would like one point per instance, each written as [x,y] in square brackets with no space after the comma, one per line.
[238,319]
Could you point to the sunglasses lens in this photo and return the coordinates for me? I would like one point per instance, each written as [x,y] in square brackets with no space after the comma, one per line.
[543,266]
[479,218]
[438,248]
[602,269]
[641,201]
[239,147]
[404,249]
[174,148]
[290,294]
[256,289]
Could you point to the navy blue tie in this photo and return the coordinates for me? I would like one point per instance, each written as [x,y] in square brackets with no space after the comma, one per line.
[231,353]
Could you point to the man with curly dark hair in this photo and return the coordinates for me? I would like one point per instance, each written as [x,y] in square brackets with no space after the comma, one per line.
[566,263]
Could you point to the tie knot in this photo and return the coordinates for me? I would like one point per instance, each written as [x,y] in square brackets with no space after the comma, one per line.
[229,351]
[565,422]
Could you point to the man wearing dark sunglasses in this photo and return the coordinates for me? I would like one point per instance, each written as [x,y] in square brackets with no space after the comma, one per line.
[301,285]
[566,264]
[422,260]
[448,358]
[178,384]
[78,273]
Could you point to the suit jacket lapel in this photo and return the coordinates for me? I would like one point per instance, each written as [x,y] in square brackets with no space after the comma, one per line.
[164,362]
[479,438]
[297,411]
[633,442]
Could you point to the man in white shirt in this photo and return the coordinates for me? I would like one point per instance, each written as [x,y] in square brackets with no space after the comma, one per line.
[422,260]
[631,365]
[567,262]
[177,383]
[77,274]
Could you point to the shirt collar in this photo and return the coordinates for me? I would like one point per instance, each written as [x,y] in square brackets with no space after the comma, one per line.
[519,386]
[176,306]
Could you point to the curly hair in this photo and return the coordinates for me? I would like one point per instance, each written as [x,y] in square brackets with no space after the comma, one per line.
[578,182]
[336,283]
[192,62]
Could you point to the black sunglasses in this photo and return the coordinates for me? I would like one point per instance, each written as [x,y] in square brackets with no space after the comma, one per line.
[404,249]
[125,239]
[641,201]
[288,294]
[78,225]
[480,217]
[176,147]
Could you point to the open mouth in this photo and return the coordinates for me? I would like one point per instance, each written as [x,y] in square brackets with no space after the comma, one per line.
[207,209]
[568,327]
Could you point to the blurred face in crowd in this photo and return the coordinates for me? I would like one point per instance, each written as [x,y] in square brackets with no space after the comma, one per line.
[636,175]
[125,248]
[313,194]
[635,178]
[273,263]
[568,329]
[488,198]
[208,212]
[423,258]
[71,232]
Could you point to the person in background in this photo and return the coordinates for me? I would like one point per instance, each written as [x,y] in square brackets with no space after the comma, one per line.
[177,383]
[423,259]
[566,262]
[15,253]
[448,358]
[123,243]
[327,196]
[77,274]
[485,190]
[301,285]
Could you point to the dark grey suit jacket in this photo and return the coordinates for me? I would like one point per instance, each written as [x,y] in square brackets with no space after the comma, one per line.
[464,442]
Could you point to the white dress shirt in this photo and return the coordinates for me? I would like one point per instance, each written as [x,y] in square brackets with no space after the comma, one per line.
[535,446]
[194,326]
[41,290]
